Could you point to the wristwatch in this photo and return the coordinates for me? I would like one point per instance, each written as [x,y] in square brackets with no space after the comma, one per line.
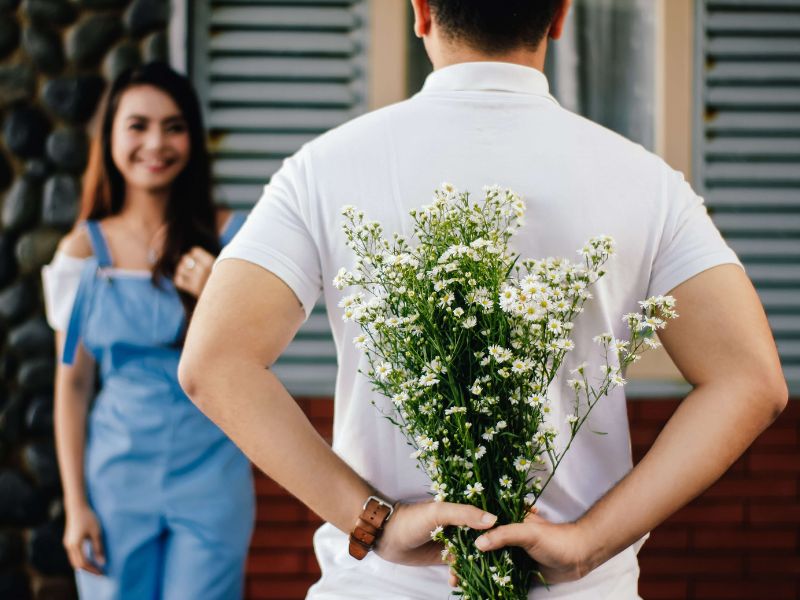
[369,525]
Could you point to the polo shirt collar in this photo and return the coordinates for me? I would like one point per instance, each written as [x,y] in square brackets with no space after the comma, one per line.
[488,76]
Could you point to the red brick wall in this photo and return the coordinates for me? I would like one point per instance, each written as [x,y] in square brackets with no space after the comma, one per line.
[281,565]
[738,541]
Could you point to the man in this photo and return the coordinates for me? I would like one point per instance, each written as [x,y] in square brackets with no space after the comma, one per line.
[484,116]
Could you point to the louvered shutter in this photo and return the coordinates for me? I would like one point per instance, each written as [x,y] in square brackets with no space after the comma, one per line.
[747,148]
[271,76]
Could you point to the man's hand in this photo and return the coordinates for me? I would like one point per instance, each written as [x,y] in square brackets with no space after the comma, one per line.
[559,549]
[407,540]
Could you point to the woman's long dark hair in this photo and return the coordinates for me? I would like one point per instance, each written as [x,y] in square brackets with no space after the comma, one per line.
[190,213]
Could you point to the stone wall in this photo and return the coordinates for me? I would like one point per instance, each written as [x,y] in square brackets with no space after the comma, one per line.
[56,57]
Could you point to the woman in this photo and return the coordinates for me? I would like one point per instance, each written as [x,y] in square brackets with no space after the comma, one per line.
[159,502]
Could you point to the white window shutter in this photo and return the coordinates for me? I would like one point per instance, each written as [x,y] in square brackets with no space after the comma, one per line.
[747,148]
[271,76]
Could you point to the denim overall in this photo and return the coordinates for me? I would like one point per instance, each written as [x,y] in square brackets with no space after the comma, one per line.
[173,494]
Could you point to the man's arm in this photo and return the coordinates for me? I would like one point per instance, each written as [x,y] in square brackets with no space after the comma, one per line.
[722,344]
[244,320]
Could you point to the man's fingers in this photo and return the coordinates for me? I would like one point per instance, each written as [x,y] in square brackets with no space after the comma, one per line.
[448,513]
[534,517]
[516,534]
[453,579]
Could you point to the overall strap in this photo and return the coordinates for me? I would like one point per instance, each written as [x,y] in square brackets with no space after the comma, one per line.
[99,245]
[235,222]
[73,334]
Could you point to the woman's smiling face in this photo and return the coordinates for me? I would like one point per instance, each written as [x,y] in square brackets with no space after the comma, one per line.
[150,142]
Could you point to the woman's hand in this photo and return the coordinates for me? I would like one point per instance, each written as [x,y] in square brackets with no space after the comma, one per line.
[406,539]
[193,270]
[81,525]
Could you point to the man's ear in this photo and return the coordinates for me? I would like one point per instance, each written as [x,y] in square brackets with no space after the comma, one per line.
[422,17]
[557,26]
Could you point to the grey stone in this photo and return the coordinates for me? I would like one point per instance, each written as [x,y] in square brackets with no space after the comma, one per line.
[40,462]
[55,588]
[9,35]
[25,131]
[61,200]
[37,169]
[144,16]
[36,248]
[21,204]
[8,367]
[36,375]
[39,416]
[32,338]
[8,265]
[20,505]
[156,47]
[122,57]
[59,12]
[45,551]
[55,510]
[43,45]
[12,419]
[10,548]
[91,38]
[17,83]
[6,172]
[74,99]
[68,147]
[17,301]
[14,585]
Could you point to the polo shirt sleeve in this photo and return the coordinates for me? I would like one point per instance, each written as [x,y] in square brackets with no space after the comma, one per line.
[276,235]
[690,242]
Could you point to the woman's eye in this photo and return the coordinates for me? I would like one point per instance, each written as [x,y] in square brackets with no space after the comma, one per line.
[137,126]
[176,128]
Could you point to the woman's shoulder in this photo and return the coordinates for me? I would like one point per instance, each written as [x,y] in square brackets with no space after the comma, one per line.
[76,243]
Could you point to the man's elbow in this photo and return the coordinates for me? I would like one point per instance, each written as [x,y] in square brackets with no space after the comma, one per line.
[778,395]
[769,387]
[190,376]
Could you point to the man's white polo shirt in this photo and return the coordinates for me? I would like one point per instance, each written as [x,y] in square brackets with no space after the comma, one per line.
[476,124]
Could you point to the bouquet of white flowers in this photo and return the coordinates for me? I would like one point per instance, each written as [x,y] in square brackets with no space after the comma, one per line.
[466,339]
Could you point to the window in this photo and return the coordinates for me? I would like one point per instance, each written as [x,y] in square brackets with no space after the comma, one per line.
[747,149]
[273,75]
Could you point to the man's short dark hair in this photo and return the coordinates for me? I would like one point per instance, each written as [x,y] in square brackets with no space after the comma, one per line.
[495,26]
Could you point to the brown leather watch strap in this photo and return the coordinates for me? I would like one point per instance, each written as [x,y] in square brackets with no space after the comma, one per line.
[369,526]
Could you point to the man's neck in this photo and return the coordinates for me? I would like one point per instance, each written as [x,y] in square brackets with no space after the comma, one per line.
[452,54]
